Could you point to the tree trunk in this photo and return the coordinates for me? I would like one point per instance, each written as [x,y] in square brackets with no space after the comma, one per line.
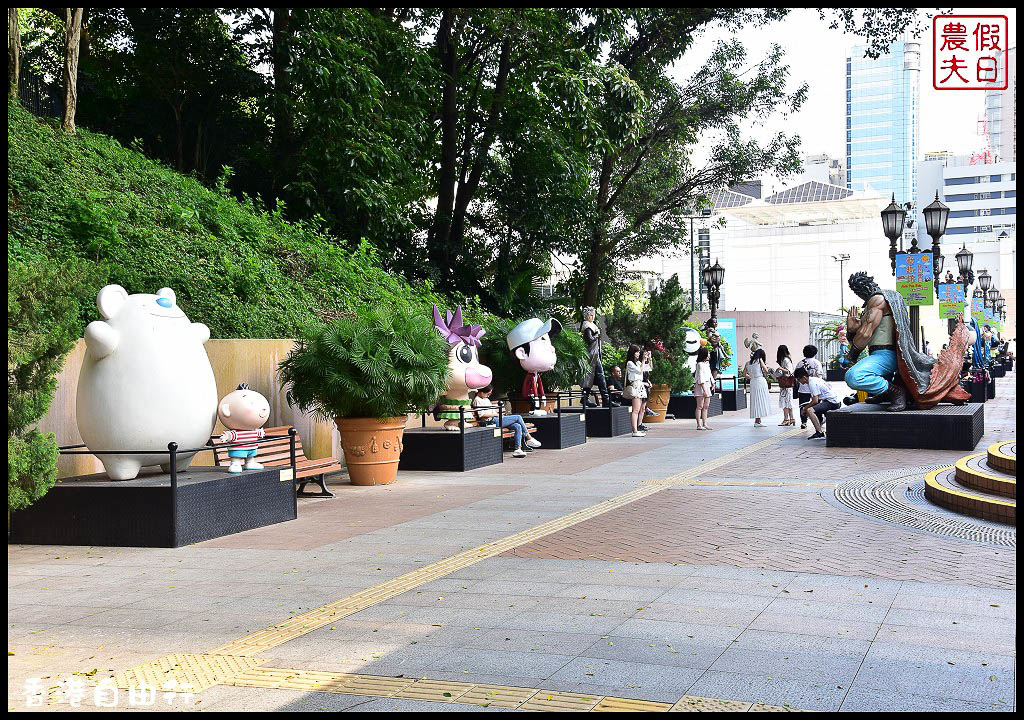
[284,127]
[598,246]
[13,52]
[440,232]
[72,40]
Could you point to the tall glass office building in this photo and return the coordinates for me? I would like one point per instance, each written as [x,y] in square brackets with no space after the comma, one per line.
[882,120]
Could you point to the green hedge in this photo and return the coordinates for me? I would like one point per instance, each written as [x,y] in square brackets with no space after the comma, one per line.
[245,272]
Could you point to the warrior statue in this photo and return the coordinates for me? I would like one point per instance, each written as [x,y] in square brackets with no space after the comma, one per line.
[595,375]
[894,370]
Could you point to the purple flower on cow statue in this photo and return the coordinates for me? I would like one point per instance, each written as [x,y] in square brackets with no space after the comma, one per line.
[464,365]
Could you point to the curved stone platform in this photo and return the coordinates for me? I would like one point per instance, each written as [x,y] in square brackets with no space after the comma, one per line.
[975,472]
[1003,457]
[943,488]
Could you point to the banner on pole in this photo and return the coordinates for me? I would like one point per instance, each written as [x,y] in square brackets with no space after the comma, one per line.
[914,278]
[952,300]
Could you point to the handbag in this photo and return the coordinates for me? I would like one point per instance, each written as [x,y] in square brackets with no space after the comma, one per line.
[627,392]
[787,381]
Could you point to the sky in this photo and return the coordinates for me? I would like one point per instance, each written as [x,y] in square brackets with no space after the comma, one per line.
[817,56]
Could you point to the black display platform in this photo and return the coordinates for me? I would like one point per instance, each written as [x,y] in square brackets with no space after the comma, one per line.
[990,391]
[146,512]
[979,391]
[732,399]
[557,432]
[997,370]
[434,448]
[835,374]
[945,427]
[604,422]
[685,406]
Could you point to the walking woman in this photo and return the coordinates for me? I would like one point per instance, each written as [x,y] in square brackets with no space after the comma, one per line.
[635,390]
[760,401]
[786,382]
[703,387]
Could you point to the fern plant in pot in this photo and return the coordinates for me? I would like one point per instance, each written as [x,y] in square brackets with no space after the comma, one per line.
[364,372]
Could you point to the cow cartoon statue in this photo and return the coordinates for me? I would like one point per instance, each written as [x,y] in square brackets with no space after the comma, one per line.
[691,345]
[530,342]
[145,382]
[243,412]
[464,363]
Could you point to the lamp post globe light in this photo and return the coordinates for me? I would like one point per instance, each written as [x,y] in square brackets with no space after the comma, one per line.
[936,215]
[984,279]
[894,218]
[993,295]
[713,276]
[964,263]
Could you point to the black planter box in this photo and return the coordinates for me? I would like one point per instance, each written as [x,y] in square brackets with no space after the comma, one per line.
[997,370]
[604,422]
[145,512]
[559,431]
[990,391]
[979,391]
[735,399]
[684,406]
[944,427]
[835,374]
[434,448]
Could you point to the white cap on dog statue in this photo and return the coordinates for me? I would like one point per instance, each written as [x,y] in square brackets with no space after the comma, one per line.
[243,412]
[530,342]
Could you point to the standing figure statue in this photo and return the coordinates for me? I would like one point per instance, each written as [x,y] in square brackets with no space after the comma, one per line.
[592,336]
[894,370]
[714,346]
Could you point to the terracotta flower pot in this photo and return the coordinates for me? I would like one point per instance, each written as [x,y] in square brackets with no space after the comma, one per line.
[657,400]
[371,448]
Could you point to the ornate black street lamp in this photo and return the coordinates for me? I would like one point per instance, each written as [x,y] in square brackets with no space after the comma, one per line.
[992,295]
[964,263]
[984,280]
[894,218]
[936,215]
[713,276]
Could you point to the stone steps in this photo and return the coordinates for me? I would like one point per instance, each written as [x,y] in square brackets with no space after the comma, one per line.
[983,485]
[975,472]
[1003,457]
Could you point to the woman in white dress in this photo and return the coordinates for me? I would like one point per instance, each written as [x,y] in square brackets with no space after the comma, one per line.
[785,363]
[703,386]
[760,401]
[635,390]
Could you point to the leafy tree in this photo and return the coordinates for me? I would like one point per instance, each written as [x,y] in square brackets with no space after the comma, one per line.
[43,299]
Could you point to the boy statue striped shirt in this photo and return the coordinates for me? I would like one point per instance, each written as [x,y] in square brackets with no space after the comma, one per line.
[246,436]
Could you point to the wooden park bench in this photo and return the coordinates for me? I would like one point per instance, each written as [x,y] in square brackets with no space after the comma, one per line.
[277,453]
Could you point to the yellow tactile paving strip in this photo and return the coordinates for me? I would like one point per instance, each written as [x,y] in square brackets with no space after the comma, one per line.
[234,663]
[446,691]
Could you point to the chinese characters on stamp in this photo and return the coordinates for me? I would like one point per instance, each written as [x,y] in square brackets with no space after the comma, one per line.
[969,51]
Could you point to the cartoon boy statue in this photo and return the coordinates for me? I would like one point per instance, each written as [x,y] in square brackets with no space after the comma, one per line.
[243,412]
[530,342]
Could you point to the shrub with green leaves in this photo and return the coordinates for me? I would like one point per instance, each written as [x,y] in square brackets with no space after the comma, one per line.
[376,363]
[42,326]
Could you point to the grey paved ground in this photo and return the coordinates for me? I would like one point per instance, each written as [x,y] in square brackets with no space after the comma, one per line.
[652,631]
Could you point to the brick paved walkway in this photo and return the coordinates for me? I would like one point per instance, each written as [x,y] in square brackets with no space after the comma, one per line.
[772,529]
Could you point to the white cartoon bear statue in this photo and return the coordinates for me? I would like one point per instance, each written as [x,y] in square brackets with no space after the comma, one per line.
[146,381]
[691,345]
[243,412]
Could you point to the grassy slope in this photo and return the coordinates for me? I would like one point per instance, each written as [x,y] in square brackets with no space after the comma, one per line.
[242,271]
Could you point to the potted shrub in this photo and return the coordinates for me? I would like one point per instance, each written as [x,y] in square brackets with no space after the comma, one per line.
[365,371]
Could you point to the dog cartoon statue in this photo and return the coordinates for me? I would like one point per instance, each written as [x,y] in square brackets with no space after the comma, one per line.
[145,382]
[243,412]
[530,342]
[467,373]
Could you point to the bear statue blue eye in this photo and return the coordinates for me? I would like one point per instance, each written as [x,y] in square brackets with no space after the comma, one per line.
[164,302]
[466,354]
